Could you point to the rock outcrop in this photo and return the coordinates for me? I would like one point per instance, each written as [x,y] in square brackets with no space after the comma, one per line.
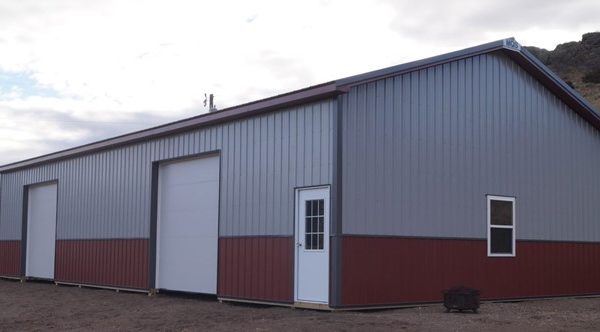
[578,63]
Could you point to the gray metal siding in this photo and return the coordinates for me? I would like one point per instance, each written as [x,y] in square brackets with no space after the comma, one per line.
[263,158]
[421,150]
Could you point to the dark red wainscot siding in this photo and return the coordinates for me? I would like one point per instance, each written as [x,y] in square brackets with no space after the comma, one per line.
[256,268]
[378,271]
[10,258]
[107,262]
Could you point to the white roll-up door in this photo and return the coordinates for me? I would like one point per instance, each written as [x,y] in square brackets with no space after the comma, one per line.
[41,231]
[187,228]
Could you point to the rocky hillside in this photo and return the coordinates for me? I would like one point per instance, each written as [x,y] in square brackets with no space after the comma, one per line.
[578,63]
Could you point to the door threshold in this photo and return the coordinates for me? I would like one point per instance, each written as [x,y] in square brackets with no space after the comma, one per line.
[311,305]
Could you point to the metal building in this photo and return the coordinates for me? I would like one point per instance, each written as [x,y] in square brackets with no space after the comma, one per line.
[475,168]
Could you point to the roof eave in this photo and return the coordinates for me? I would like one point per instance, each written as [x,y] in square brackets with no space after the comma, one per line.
[313,93]
[510,47]
[421,64]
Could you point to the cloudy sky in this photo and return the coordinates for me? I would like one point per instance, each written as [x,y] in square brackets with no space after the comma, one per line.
[72,71]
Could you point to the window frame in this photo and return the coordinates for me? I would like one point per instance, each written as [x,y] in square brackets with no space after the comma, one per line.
[491,198]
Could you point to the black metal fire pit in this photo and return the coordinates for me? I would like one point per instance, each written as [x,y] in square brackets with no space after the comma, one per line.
[461,298]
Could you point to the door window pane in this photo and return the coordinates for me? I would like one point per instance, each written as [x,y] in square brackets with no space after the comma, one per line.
[314,224]
[315,208]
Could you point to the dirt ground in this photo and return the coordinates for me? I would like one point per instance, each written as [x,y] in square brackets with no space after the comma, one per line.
[43,306]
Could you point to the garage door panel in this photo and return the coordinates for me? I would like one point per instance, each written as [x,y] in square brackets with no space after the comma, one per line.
[184,197]
[185,280]
[173,169]
[190,226]
[187,236]
[181,232]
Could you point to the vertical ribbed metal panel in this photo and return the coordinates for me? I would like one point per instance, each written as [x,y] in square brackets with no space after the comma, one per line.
[422,149]
[258,268]
[10,222]
[263,158]
[1,237]
[10,258]
[393,270]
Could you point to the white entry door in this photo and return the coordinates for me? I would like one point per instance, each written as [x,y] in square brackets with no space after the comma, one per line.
[41,231]
[187,228]
[312,245]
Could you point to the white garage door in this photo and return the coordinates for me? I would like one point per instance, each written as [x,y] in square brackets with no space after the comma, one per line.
[187,230]
[41,231]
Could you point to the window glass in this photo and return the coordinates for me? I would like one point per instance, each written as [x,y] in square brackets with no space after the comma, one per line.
[315,208]
[501,240]
[501,212]
[314,224]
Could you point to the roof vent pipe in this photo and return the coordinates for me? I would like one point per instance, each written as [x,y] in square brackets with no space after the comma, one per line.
[211,102]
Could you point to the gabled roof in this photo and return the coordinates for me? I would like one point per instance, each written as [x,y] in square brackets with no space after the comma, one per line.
[508,46]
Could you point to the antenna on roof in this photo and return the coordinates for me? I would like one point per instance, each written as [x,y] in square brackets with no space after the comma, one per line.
[211,104]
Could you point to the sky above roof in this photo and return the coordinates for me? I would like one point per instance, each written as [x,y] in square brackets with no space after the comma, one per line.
[73,72]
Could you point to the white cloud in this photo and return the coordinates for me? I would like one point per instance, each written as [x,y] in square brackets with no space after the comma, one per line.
[138,63]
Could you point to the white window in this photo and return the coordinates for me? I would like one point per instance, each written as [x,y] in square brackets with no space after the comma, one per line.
[501,226]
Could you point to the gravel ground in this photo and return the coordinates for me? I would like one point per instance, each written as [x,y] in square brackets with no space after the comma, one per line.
[43,306]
